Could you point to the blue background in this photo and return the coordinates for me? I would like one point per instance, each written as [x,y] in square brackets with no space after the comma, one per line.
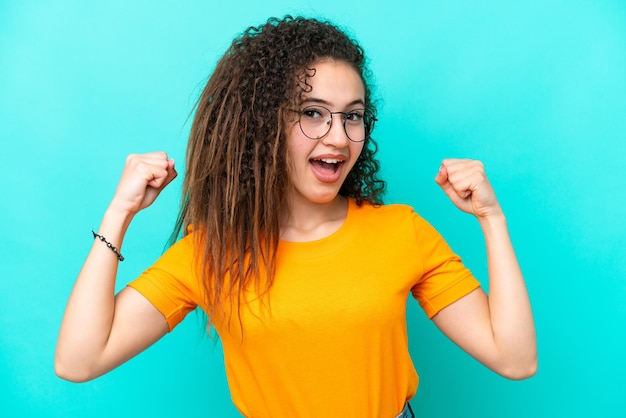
[535,89]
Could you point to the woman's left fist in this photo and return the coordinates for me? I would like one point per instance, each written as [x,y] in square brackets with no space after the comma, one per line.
[466,184]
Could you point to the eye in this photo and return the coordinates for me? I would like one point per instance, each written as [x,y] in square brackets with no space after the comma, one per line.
[312,112]
[355,116]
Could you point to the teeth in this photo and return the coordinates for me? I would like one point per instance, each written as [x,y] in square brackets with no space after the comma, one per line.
[329,160]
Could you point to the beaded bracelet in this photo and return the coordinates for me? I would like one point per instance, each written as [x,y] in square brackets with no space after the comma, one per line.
[103,239]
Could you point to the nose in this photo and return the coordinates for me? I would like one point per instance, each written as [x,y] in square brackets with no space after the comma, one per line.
[336,136]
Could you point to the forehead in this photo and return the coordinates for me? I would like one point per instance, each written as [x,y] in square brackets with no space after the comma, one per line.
[335,82]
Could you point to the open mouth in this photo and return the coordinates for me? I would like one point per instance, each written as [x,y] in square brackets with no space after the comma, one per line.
[327,163]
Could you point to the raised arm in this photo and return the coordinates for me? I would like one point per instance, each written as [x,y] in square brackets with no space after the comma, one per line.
[498,330]
[99,330]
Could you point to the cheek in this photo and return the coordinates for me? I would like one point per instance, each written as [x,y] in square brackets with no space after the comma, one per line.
[357,149]
[294,148]
[298,145]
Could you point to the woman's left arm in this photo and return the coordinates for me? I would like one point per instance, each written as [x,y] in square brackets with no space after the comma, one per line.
[498,330]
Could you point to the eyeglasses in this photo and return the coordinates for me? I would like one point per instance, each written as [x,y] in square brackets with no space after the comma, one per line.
[316,121]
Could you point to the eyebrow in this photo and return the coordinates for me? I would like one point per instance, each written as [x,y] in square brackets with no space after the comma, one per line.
[327,103]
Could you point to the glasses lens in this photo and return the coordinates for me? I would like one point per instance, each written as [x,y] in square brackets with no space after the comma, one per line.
[354,123]
[316,121]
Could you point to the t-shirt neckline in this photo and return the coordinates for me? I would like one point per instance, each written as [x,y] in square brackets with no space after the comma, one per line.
[331,238]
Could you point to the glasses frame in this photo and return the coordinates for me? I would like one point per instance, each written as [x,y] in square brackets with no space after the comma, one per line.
[367,122]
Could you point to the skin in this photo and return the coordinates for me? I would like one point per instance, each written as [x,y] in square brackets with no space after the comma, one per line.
[316,209]
[100,331]
[498,330]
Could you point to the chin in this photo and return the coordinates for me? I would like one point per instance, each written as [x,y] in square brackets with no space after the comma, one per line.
[322,197]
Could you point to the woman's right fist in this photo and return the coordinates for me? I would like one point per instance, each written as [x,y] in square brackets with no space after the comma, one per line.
[143,178]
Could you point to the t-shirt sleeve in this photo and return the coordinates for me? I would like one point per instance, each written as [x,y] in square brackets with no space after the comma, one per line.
[445,279]
[171,284]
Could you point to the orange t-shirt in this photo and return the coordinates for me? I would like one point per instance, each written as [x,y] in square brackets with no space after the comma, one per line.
[329,339]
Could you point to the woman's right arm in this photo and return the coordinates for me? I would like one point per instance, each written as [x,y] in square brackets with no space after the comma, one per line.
[100,330]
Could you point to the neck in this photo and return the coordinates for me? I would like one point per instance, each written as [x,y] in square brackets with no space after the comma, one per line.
[309,221]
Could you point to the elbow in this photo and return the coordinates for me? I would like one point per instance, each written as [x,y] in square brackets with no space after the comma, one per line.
[69,372]
[520,371]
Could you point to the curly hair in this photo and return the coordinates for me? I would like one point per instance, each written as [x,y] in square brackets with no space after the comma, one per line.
[234,190]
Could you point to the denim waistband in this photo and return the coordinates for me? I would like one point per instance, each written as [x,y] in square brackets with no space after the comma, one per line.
[407,412]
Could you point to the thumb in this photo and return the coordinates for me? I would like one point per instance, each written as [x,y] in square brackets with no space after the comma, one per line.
[442,176]
[161,180]
[447,188]
[171,172]
[442,180]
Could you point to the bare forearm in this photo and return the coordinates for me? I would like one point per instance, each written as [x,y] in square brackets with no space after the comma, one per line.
[509,305]
[99,330]
[88,317]
[498,330]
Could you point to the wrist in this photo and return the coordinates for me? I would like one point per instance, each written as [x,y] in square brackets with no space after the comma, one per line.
[492,220]
[116,220]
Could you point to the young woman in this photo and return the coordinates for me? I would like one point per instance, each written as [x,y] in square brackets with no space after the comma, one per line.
[288,249]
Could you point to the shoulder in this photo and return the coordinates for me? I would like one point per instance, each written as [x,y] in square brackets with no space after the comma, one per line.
[180,253]
[367,207]
[392,218]
[395,212]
